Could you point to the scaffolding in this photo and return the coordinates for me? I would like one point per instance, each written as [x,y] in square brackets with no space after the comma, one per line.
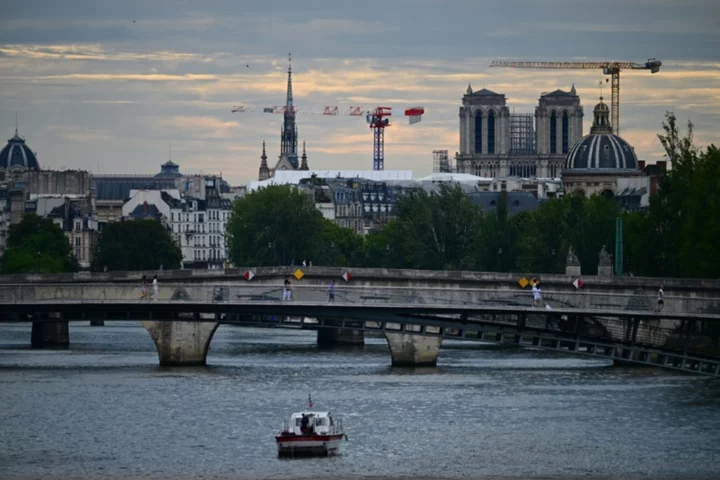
[522,134]
[441,162]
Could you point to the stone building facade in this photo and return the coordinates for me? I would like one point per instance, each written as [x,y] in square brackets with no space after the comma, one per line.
[497,143]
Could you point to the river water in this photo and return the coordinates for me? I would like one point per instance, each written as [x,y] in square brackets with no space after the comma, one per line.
[104,409]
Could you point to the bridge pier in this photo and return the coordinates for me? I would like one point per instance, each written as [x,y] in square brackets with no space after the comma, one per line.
[49,334]
[181,343]
[328,337]
[409,350]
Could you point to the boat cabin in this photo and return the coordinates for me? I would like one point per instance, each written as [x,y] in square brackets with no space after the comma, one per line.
[319,423]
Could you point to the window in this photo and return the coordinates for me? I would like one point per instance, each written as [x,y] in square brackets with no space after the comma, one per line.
[78,226]
[78,253]
[478,133]
[78,241]
[553,133]
[491,132]
[565,132]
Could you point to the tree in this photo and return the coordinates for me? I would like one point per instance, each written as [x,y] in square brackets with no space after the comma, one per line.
[434,230]
[37,244]
[136,245]
[585,224]
[275,225]
[543,243]
[498,237]
[341,247]
[698,255]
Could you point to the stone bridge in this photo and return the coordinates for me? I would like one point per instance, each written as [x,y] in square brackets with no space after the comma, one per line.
[623,318]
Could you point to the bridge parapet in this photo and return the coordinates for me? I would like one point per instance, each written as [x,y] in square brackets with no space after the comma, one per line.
[358,292]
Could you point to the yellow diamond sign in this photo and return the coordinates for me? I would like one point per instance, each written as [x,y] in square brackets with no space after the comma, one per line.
[298,274]
[523,282]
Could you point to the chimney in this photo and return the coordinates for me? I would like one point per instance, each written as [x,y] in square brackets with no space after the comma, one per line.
[653,184]
[662,165]
[641,164]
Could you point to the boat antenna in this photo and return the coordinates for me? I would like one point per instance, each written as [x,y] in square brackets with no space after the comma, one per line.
[310,404]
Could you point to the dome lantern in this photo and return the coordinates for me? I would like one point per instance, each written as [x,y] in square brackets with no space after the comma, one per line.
[601,119]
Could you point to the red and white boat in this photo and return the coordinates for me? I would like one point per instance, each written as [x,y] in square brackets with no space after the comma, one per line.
[322,435]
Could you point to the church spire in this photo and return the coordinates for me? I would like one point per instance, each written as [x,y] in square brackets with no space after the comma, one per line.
[16,122]
[264,171]
[289,100]
[304,164]
[289,134]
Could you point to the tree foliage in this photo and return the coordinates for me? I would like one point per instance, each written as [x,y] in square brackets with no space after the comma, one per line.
[277,225]
[37,245]
[432,231]
[136,245]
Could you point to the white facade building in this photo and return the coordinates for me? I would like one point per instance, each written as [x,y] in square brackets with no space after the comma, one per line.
[197,225]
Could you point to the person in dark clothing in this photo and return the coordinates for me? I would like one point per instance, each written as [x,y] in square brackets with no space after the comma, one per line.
[304,424]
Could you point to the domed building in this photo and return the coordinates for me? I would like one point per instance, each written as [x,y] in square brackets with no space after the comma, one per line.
[604,164]
[17,157]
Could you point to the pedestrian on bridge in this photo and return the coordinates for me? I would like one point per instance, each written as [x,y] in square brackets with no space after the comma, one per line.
[143,288]
[155,289]
[331,292]
[287,289]
[537,294]
[660,299]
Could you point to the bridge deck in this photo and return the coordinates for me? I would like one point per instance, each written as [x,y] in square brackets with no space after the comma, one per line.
[521,325]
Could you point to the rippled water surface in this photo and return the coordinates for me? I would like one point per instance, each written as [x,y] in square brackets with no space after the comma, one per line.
[104,409]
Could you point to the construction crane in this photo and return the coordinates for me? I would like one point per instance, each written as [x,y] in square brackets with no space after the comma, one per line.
[608,68]
[376,118]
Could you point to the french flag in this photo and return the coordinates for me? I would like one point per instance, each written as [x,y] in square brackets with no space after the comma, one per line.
[310,404]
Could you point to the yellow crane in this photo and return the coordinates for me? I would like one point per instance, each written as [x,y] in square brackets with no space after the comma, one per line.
[608,68]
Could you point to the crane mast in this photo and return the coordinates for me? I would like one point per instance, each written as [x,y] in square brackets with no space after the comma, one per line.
[608,68]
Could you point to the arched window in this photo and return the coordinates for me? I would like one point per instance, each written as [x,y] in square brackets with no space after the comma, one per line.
[491,132]
[565,132]
[553,133]
[478,132]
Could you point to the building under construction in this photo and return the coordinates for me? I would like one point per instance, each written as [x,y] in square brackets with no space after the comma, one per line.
[441,162]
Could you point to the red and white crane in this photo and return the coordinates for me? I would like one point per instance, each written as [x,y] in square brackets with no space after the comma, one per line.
[377,119]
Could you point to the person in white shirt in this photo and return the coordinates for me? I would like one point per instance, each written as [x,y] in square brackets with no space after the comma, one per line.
[537,294]
[660,299]
[155,288]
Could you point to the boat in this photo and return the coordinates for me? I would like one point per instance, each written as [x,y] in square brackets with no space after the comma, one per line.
[322,436]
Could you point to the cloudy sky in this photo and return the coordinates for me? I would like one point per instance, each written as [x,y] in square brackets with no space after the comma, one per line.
[107,85]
